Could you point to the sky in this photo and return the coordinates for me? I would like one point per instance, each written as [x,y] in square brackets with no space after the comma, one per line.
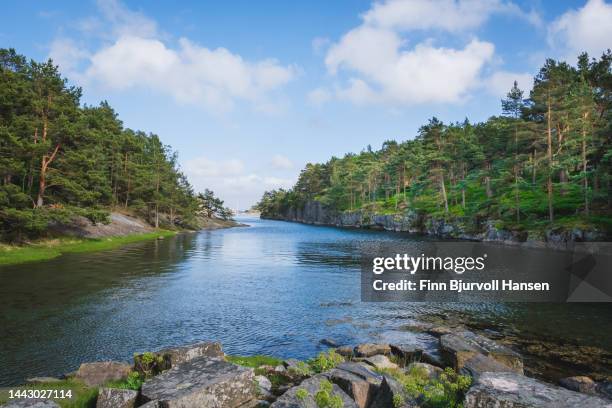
[249,92]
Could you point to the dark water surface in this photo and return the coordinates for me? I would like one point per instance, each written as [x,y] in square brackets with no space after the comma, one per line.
[273,288]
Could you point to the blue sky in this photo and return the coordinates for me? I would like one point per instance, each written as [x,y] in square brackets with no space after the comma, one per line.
[248,92]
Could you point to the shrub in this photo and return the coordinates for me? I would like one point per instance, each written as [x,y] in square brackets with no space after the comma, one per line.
[325,361]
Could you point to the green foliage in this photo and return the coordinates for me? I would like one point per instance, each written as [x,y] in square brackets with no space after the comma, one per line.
[149,364]
[446,391]
[254,361]
[61,159]
[302,369]
[398,401]
[325,398]
[325,361]
[301,394]
[132,382]
[506,168]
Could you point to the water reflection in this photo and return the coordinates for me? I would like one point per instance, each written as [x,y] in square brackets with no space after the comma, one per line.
[274,288]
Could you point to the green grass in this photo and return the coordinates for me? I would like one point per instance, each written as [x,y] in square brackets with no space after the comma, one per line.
[52,248]
[82,396]
[254,361]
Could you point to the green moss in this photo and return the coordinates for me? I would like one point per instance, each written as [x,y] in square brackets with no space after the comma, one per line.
[132,382]
[447,391]
[49,249]
[82,395]
[301,394]
[325,361]
[254,361]
[325,397]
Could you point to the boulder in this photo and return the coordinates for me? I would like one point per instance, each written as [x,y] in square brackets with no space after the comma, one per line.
[329,342]
[579,384]
[512,390]
[302,396]
[96,374]
[345,351]
[265,386]
[358,381]
[370,349]
[202,382]
[392,394]
[31,403]
[291,363]
[457,348]
[116,398]
[433,357]
[151,404]
[439,330]
[479,363]
[167,358]
[380,362]
[429,370]
[406,353]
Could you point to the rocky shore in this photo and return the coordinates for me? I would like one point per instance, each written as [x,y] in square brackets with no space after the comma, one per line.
[462,369]
[314,212]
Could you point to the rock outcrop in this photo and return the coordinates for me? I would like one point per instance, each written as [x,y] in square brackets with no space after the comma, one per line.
[512,390]
[116,398]
[202,382]
[99,373]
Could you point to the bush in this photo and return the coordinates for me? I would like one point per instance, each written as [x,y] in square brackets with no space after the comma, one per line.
[325,361]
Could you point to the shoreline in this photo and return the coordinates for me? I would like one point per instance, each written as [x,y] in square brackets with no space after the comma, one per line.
[50,248]
[473,369]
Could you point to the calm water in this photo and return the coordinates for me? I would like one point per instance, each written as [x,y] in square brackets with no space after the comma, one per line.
[273,288]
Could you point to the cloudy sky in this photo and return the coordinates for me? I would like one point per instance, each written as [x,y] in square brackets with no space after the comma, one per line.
[248,92]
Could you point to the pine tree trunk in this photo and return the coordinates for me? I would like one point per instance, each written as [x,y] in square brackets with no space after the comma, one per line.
[443,189]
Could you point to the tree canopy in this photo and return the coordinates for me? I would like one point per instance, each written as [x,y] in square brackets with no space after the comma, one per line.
[544,161]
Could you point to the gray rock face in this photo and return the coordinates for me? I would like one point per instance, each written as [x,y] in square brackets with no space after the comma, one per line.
[202,382]
[302,396]
[96,374]
[512,390]
[380,362]
[116,398]
[456,349]
[358,381]
[31,403]
[392,394]
[406,353]
[173,356]
[370,349]
[579,384]
[479,363]
[151,404]
[345,351]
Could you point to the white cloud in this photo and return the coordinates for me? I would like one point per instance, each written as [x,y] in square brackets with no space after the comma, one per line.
[319,96]
[423,74]
[281,162]
[500,82]
[205,167]
[230,180]
[382,67]
[319,44]
[447,15]
[137,56]
[586,29]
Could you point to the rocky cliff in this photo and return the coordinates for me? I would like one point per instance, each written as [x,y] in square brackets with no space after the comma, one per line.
[314,212]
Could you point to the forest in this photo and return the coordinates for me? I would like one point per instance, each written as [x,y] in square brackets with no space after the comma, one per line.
[545,161]
[59,159]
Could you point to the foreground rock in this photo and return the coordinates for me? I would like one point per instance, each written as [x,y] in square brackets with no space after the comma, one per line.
[358,381]
[512,390]
[202,382]
[303,395]
[99,373]
[116,398]
[380,362]
[457,349]
[370,349]
[170,357]
[31,403]
[392,394]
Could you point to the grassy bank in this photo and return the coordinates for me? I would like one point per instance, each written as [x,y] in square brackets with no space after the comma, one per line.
[52,248]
